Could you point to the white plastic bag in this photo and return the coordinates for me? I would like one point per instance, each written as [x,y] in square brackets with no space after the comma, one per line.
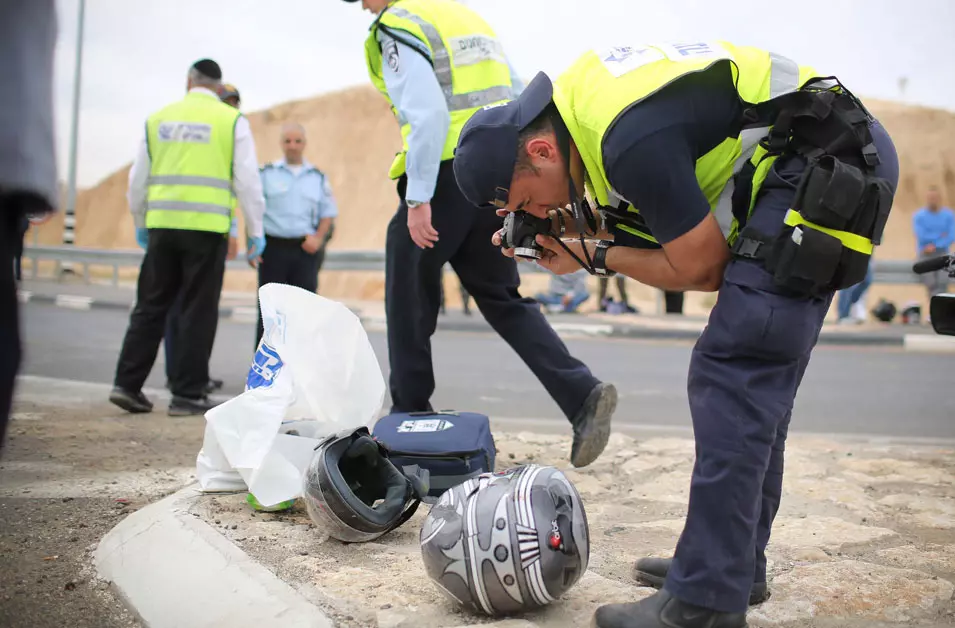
[314,373]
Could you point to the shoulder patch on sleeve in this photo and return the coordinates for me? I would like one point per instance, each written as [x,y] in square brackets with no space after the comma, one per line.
[390,53]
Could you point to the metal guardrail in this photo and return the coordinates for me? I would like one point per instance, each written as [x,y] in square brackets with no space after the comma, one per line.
[886,271]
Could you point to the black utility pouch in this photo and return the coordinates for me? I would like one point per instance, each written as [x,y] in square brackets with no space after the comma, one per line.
[852,269]
[804,260]
[830,193]
[876,205]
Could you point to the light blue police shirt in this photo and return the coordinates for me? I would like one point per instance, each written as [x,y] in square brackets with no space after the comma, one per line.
[294,204]
[416,94]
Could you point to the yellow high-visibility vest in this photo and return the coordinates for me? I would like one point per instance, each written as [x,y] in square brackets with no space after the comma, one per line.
[468,61]
[602,84]
[191,147]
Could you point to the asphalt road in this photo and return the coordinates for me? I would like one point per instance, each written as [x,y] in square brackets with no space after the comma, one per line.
[857,391]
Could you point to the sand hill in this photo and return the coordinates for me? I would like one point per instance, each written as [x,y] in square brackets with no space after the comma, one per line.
[353,137]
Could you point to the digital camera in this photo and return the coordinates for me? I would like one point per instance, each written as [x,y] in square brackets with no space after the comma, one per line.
[520,233]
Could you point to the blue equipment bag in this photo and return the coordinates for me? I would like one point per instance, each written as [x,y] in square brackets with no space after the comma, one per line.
[452,446]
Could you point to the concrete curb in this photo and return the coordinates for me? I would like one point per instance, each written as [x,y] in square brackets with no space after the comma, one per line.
[174,570]
[924,342]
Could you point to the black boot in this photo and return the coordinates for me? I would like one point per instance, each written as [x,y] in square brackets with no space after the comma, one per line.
[652,572]
[135,402]
[662,610]
[592,425]
[184,406]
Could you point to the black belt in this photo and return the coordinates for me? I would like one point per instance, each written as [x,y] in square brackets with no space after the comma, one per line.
[284,241]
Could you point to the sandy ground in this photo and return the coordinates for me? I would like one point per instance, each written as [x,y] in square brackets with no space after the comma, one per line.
[74,466]
[865,537]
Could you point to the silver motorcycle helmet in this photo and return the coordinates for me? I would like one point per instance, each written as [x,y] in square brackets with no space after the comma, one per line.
[354,493]
[507,542]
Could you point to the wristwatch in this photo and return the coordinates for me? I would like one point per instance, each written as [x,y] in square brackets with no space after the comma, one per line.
[600,258]
[412,204]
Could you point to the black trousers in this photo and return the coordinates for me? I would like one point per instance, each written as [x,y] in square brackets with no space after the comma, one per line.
[10,349]
[674,302]
[413,297]
[22,227]
[284,261]
[189,265]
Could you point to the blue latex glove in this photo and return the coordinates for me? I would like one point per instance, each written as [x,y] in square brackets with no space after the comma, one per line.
[254,248]
[142,238]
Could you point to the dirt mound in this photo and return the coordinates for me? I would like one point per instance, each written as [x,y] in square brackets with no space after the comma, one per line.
[352,137]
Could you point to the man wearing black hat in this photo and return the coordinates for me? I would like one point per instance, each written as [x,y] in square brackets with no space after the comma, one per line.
[195,153]
[685,148]
[433,93]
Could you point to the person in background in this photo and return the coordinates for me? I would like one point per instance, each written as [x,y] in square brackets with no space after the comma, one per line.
[567,292]
[604,301]
[299,212]
[28,176]
[230,96]
[673,301]
[433,93]
[849,306]
[195,154]
[934,227]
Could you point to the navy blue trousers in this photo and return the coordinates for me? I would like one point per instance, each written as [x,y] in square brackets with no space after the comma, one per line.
[413,299]
[744,373]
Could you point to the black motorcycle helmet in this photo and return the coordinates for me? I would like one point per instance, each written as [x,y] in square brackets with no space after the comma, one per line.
[353,492]
[884,311]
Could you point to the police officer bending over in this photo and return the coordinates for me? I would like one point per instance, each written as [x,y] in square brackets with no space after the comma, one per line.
[437,62]
[194,154]
[299,210]
[655,135]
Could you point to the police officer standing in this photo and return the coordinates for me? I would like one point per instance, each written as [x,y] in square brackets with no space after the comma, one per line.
[194,154]
[437,62]
[700,149]
[230,96]
[299,212]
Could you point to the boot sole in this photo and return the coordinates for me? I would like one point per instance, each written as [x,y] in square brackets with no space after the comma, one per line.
[655,581]
[648,579]
[129,405]
[595,440]
[186,412]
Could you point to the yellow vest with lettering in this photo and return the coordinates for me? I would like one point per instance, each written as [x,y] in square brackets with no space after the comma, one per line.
[468,61]
[191,147]
[603,84]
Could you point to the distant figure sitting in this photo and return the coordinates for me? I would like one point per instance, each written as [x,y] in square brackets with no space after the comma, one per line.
[566,293]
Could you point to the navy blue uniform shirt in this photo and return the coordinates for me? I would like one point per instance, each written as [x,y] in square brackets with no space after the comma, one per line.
[650,152]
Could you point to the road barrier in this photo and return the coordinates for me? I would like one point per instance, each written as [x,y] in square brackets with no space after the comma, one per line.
[886,271]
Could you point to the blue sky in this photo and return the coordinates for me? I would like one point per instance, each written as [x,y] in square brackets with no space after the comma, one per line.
[136,53]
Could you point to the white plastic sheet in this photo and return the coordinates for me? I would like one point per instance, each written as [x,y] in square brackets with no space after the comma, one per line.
[314,373]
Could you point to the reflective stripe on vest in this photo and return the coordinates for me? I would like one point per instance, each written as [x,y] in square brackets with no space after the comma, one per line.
[186,206]
[178,179]
[759,76]
[783,79]
[849,240]
[191,146]
[441,60]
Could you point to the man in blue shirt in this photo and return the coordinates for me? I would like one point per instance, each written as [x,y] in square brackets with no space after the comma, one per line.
[299,211]
[435,224]
[934,227]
